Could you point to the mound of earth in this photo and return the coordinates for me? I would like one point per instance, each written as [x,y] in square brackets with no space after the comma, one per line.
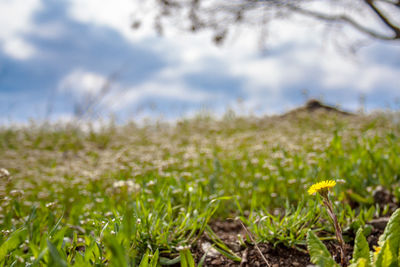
[314,106]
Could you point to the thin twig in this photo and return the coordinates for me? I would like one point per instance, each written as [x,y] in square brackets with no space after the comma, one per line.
[255,244]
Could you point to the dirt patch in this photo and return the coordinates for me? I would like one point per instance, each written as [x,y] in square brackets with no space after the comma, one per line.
[230,230]
[383,197]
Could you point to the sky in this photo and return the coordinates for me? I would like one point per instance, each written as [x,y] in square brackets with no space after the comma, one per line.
[57,56]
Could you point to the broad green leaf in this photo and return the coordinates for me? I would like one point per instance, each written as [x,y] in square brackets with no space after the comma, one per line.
[15,239]
[35,250]
[166,261]
[56,259]
[118,257]
[392,229]
[89,251]
[385,257]
[189,258]
[391,237]
[145,260]
[398,256]
[319,254]
[184,262]
[361,248]
[154,259]
[388,259]
[80,261]
[42,255]
[361,263]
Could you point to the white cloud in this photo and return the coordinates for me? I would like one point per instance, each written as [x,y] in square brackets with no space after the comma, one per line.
[375,76]
[361,75]
[117,15]
[165,85]
[174,90]
[82,82]
[16,16]
[18,48]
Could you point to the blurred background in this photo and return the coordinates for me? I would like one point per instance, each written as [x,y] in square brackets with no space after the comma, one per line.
[160,59]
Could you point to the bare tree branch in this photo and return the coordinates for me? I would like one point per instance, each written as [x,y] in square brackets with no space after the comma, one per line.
[384,18]
[222,15]
[345,19]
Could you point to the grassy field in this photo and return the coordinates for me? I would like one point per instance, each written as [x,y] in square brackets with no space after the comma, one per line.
[130,195]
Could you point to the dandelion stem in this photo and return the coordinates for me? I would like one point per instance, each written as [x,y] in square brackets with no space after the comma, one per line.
[338,230]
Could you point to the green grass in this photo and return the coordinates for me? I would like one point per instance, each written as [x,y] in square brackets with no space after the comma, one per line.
[130,195]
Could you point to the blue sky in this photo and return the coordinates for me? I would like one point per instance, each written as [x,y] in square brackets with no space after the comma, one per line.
[59,53]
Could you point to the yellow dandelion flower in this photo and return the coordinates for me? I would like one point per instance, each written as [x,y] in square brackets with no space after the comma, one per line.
[321,186]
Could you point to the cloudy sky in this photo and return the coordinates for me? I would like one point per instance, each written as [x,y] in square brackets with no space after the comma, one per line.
[57,55]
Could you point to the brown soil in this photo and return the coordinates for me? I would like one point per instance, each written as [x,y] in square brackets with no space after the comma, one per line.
[383,197]
[229,230]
